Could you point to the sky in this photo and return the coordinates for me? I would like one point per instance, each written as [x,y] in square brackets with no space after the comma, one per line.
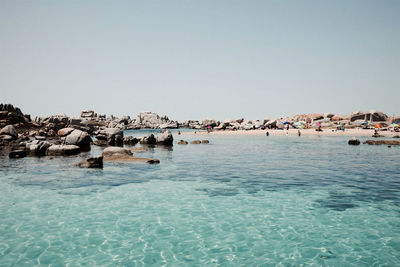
[200,59]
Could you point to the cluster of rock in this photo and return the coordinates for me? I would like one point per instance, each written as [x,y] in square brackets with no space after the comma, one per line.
[13,115]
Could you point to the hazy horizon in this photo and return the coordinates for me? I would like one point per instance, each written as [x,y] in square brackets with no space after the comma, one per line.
[200,59]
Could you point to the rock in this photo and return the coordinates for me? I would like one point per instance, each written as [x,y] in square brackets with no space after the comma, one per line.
[138,149]
[205,142]
[396,136]
[37,147]
[114,136]
[94,162]
[87,114]
[101,143]
[79,138]
[372,115]
[65,131]
[383,142]
[63,150]
[116,152]
[130,140]
[196,142]
[182,142]
[354,142]
[17,154]
[10,131]
[377,135]
[120,154]
[152,120]
[148,140]
[40,138]
[209,122]
[165,139]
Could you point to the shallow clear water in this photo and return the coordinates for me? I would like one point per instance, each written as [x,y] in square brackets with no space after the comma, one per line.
[238,201]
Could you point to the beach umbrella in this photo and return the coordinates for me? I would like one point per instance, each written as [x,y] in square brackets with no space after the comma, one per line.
[378,125]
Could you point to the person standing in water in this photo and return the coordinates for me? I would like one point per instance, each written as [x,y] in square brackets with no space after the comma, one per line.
[298,133]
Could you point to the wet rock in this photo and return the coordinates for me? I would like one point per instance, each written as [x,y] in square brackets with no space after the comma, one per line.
[94,162]
[40,138]
[63,150]
[205,142]
[17,154]
[383,142]
[354,141]
[101,143]
[138,149]
[10,131]
[182,142]
[196,142]
[36,147]
[130,140]
[148,140]
[396,136]
[165,139]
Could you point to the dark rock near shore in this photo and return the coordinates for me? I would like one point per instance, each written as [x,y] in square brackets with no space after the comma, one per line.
[383,142]
[130,140]
[165,138]
[354,142]
[205,142]
[148,140]
[94,162]
[182,142]
[17,154]
[63,150]
[196,142]
[113,136]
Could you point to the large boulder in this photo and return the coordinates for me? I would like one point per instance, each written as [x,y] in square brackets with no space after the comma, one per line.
[9,130]
[79,138]
[148,139]
[36,147]
[152,120]
[131,140]
[372,115]
[94,162]
[165,138]
[65,131]
[120,154]
[16,154]
[63,150]
[113,136]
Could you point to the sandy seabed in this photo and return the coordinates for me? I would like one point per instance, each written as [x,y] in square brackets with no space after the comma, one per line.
[325,132]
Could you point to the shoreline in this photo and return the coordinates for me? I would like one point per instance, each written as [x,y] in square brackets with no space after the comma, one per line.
[294,132]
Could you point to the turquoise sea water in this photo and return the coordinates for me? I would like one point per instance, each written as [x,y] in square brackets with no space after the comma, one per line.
[238,201]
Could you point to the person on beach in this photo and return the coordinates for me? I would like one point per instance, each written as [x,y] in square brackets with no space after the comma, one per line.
[179,132]
[267,133]
[298,133]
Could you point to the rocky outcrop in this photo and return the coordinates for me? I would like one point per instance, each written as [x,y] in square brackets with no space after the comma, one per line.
[372,116]
[383,142]
[153,121]
[165,139]
[63,150]
[12,115]
[93,162]
[8,132]
[36,147]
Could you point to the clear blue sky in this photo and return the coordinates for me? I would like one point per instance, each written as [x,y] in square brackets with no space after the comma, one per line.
[197,59]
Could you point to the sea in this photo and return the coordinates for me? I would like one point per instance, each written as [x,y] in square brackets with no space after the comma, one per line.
[238,201]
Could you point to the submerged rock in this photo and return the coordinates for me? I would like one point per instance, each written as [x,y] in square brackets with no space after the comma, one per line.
[63,150]
[182,142]
[196,142]
[383,142]
[354,141]
[205,142]
[94,162]
[120,154]
[17,154]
